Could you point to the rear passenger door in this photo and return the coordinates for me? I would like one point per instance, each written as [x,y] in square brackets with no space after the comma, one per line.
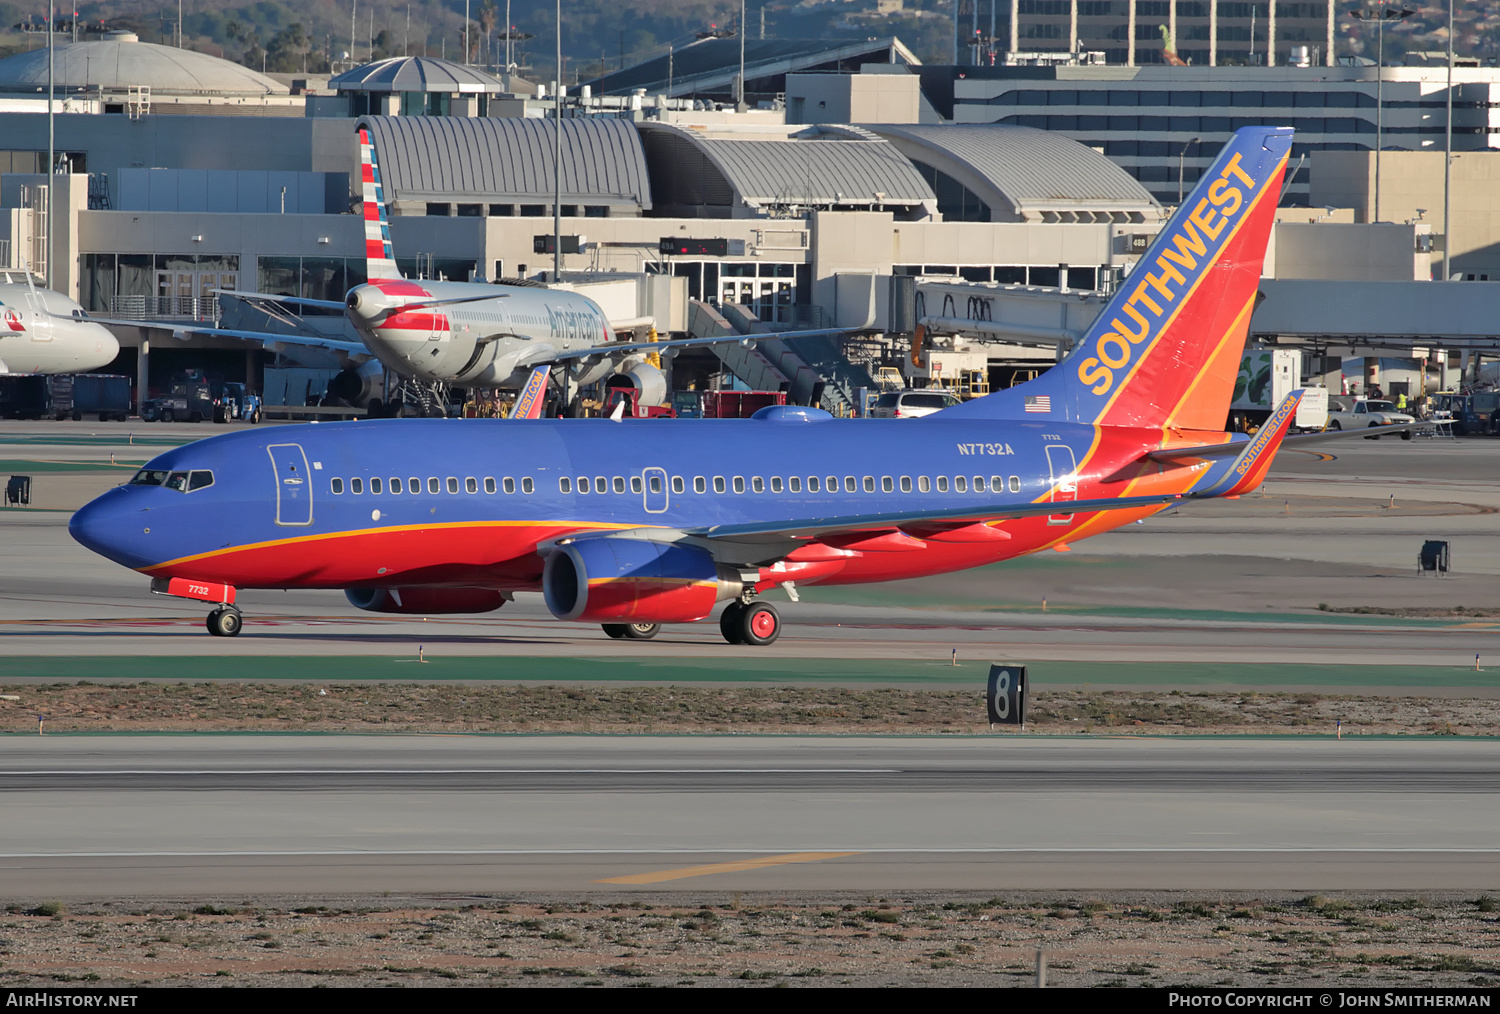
[1064,474]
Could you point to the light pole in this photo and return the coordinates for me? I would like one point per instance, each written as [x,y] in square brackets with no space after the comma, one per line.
[1181,155]
[1385,12]
[1448,158]
[557,105]
[51,140]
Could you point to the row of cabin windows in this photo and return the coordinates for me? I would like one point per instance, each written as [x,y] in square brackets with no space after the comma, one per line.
[815,484]
[434,485]
[755,484]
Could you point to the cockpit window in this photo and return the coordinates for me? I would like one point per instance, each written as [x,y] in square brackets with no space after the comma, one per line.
[182,482]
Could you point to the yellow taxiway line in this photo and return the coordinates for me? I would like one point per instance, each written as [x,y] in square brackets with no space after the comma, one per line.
[735,867]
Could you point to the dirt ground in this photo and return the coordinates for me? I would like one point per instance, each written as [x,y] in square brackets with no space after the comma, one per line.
[477,708]
[1156,940]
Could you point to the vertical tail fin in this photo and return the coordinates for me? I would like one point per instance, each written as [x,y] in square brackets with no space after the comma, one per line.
[380,259]
[1165,351]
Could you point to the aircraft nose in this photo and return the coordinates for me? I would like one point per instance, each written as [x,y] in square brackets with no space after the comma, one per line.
[106,526]
[106,345]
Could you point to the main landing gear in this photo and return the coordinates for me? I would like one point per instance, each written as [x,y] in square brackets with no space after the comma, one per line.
[224,621]
[753,622]
[632,631]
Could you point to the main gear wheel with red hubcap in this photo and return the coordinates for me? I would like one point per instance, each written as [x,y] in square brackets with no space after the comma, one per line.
[750,623]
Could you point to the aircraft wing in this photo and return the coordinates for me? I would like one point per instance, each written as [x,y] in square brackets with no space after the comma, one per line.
[806,528]
[266,339]
[747,340]
[257,297]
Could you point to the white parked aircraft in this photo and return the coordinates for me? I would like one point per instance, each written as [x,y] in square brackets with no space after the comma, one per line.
[42,331]
[466,334]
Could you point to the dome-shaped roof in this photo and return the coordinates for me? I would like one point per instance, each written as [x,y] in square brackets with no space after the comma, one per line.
[1026,172]
[415,74]
[120,61]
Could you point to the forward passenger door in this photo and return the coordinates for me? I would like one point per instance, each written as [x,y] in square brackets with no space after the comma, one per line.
[294,494]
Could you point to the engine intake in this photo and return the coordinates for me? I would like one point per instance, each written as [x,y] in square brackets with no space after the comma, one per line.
[634,580]
[649,383]
[425,601]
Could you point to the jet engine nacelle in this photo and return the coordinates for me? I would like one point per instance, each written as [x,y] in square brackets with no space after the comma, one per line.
[425,601]
[370,303]
[358,384]
[613,580]
[649,382]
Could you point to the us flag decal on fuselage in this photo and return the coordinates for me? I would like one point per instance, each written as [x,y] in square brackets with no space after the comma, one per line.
[1039,403]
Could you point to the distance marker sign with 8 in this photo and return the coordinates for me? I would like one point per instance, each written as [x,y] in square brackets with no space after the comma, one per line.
[1006,696]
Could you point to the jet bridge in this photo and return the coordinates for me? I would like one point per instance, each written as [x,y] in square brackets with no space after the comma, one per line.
[1014,314]
[1458,316]
[1307,313]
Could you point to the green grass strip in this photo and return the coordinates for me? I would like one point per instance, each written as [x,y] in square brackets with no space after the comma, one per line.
[731,669]
[108,440]
[24,466]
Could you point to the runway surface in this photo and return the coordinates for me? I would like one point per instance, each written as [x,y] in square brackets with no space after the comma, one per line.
[128,816]
[1219,594]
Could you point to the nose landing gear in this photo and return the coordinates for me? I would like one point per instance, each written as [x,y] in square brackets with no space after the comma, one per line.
[224,621]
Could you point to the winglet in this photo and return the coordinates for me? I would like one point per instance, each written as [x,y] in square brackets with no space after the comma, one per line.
[1249,469]
[529,404]
[380,258]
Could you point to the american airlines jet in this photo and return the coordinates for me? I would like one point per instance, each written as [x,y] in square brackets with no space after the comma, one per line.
[635,525]
[42,331]
[472,334]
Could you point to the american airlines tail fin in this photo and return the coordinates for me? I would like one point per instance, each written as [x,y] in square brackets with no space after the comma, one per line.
[1165,351]
[380,259]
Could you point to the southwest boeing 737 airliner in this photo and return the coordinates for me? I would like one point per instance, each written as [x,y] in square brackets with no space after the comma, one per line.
[631,525]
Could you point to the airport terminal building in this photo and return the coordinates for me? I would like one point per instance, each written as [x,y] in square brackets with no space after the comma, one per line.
[805,213]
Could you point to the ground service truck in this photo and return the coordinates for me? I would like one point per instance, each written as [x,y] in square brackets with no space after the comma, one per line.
[1266,377]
